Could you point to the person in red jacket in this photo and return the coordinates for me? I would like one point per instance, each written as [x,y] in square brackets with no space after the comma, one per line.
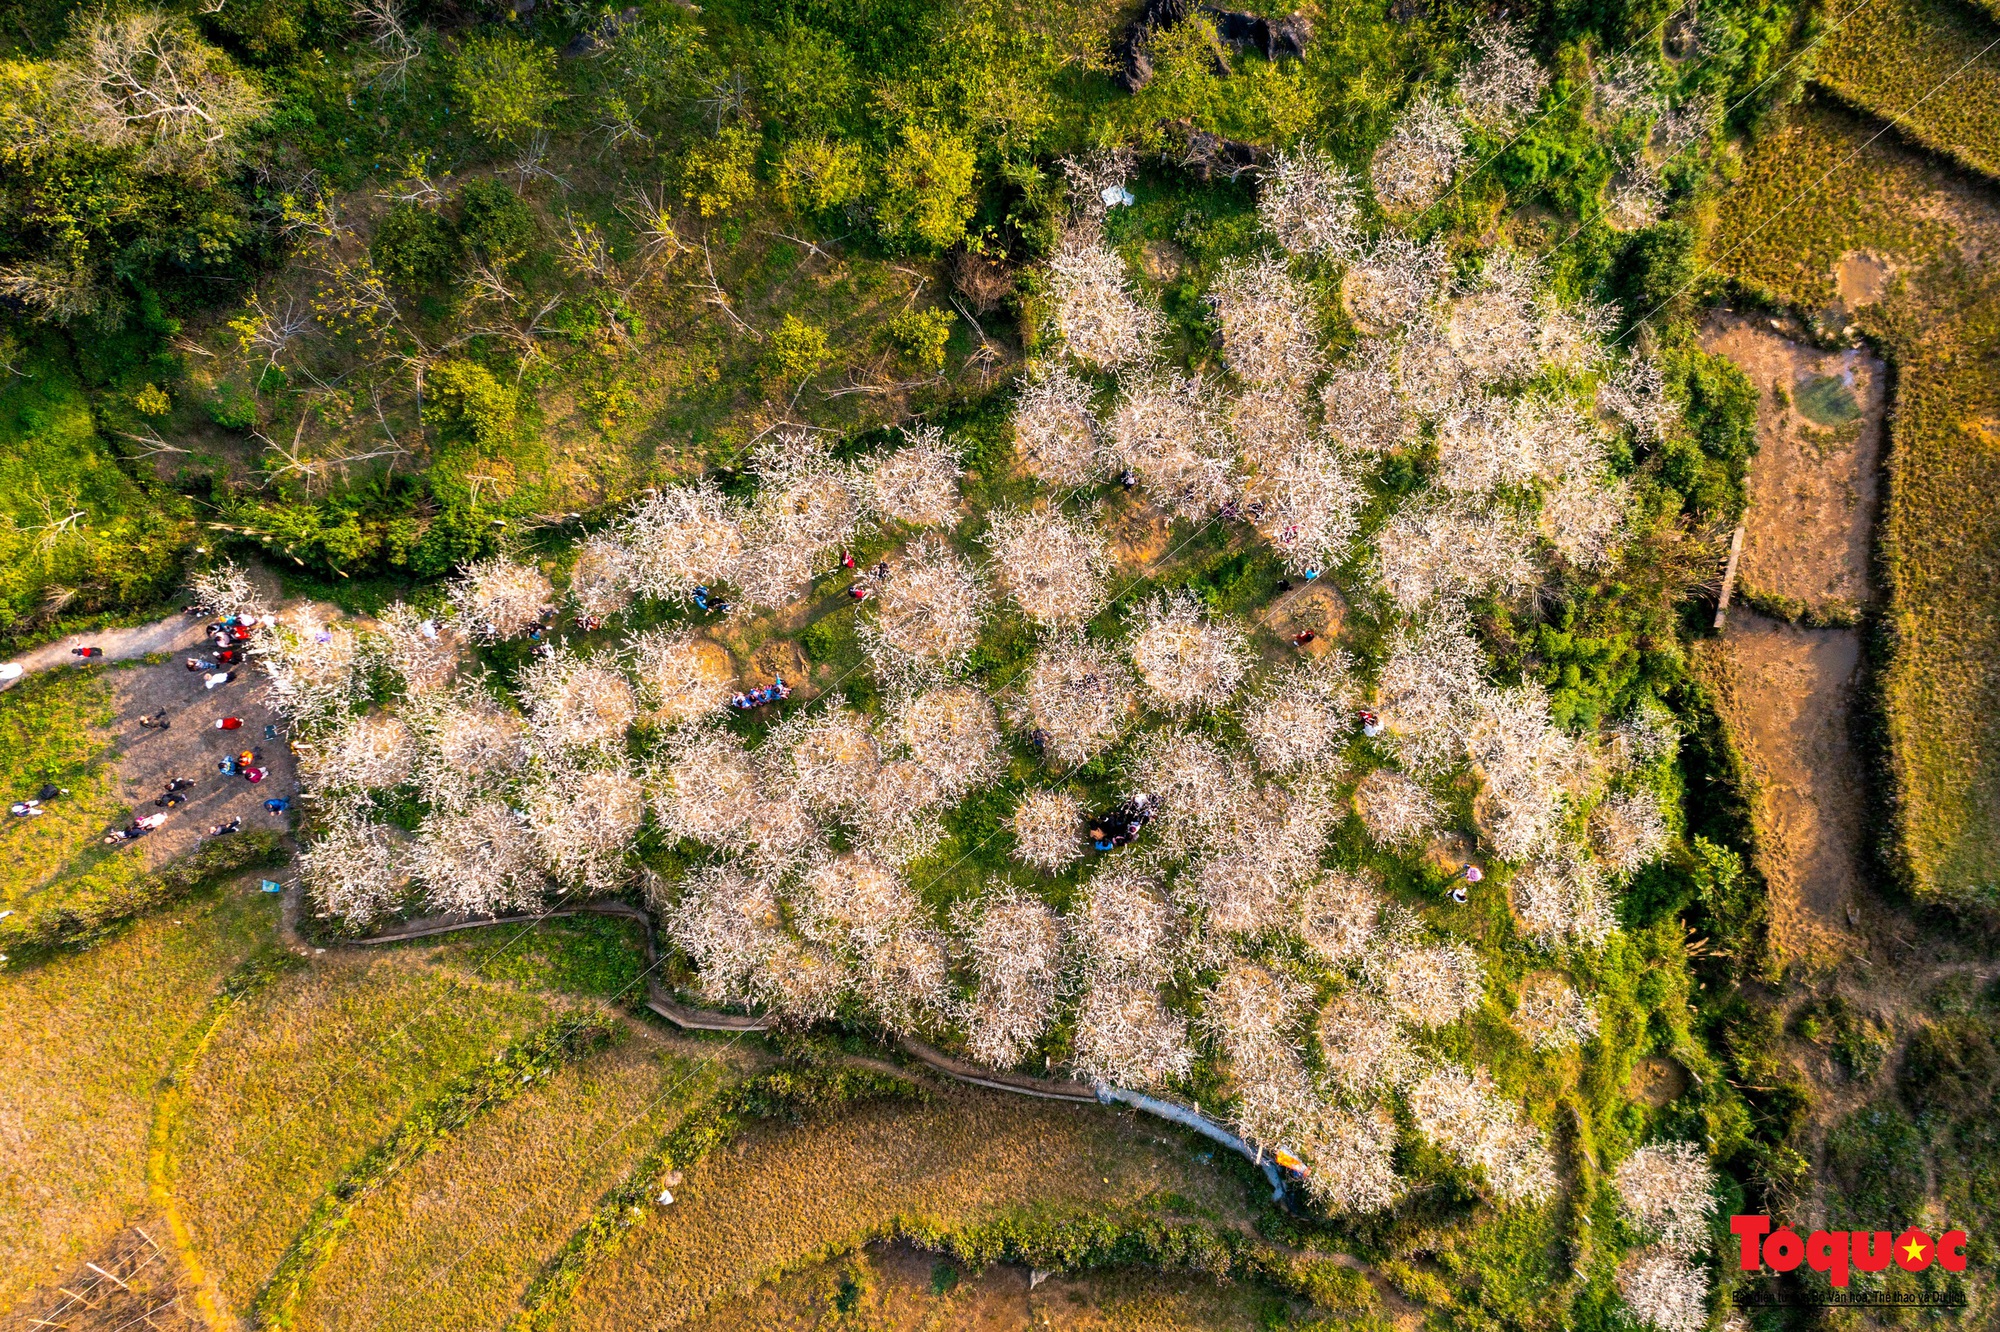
[229,724]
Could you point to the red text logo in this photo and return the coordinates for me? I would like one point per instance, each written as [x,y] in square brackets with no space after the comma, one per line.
[1836,1252]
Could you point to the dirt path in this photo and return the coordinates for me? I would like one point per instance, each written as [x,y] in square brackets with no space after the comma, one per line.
[190,746]
[177,634]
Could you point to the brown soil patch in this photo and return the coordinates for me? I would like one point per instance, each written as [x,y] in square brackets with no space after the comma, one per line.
[1862,278]
[1657,1080]
[1813,492]
[1449,853]
[135,1281]
[1140,533]
[777,657]
[1316,607]
[1786,695]
[1162,261]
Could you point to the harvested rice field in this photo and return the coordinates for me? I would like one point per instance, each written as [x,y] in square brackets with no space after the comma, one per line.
[263,1131]
[89,1039]
[1940,521]
[781,1197]
[453,1241]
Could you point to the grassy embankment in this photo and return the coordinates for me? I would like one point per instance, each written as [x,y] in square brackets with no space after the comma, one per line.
[897,1288]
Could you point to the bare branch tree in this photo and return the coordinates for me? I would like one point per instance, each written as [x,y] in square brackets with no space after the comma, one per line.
[148,80]
[396,47]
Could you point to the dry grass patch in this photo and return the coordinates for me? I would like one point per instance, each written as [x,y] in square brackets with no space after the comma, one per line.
[780,1197]
[305,1080]
[453,1241]
[1928,65]
[89,1037]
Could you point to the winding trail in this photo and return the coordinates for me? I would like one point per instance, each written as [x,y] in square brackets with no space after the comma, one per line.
[689,1018]
[175,634]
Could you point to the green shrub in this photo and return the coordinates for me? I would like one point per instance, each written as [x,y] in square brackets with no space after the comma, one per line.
[921,336]
[414,244]
[717,173]
[494,223]
[1710,462]
[1876,1158]
[1856,1041]
[926,196]
[1654,270]
[269,30]
[467,403]
[797,351]
[821,175]
[1951,1067]
[807,79]
[505,85]
[1331,1286]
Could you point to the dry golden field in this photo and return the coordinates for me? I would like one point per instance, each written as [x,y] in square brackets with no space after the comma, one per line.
[88,1039]
[782,1196]
[1929,65]
[453,1241]
[303,1081]
[1815,197]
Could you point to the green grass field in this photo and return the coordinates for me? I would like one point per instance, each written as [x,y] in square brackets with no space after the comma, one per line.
[51,734]
[599,957]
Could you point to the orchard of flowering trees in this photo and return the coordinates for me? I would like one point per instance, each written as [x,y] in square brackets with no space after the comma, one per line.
[1244,924]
